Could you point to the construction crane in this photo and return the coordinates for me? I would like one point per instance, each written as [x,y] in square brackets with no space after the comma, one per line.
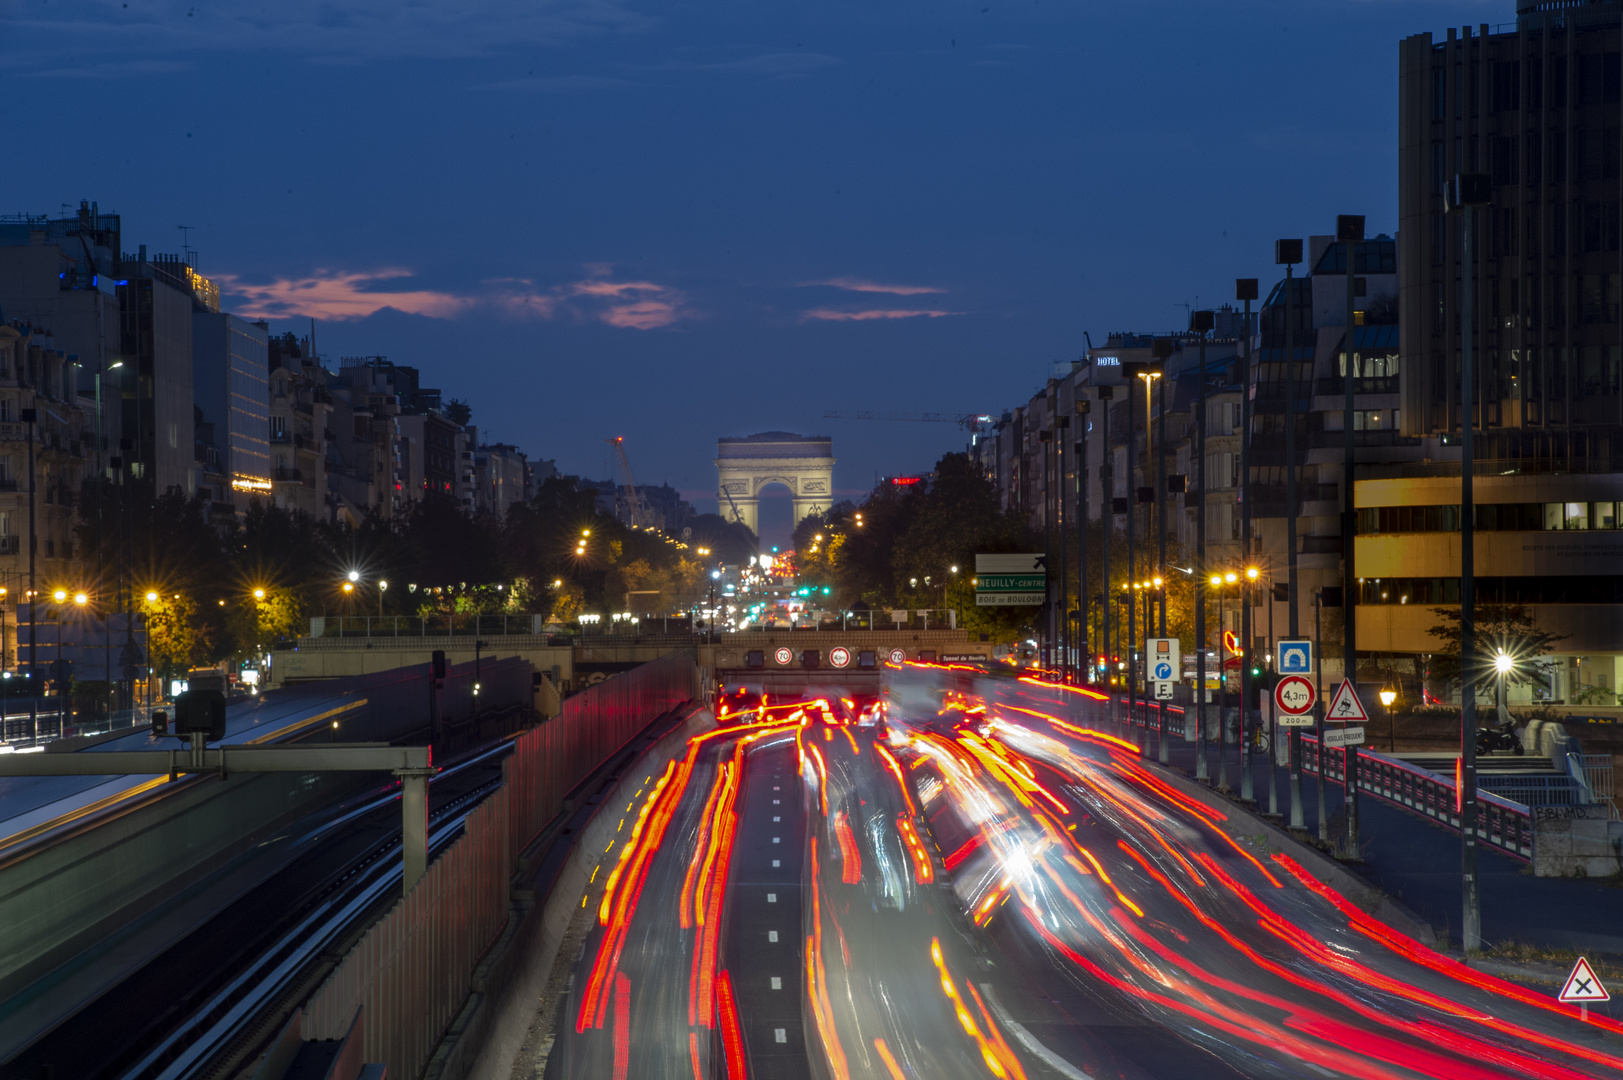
[638,515]
[972,422]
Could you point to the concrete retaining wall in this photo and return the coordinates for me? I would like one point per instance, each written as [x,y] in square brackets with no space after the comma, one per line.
[1589,846]
[485,1039]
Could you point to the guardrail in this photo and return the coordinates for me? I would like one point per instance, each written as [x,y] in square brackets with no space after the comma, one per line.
[1501,824]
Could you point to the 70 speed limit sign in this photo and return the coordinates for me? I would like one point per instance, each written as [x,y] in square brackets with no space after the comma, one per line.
[1294,696]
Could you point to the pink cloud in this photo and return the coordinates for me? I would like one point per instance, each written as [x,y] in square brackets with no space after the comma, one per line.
[830,315]
[338,296]
[859,285]
[346,295]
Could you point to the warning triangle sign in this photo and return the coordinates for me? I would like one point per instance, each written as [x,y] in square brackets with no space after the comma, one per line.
[1345,706]
[1582,986]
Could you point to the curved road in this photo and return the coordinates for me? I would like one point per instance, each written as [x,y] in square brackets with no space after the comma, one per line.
[983,883]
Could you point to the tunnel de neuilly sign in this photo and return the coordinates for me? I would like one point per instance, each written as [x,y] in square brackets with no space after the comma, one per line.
[1011,580]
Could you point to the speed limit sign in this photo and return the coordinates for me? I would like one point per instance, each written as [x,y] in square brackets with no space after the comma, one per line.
[783,656]
[1294,695]
[897,656]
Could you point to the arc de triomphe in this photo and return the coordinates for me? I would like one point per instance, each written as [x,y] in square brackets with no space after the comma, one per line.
[802,463]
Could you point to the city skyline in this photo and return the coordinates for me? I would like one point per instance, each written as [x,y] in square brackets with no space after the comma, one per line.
[903,211]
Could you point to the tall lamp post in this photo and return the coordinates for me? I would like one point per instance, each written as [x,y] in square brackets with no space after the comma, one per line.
[1202,323]
[1247,646]
[1218,581]
[1468,192]
[1084,640]
[1350,232]
[1288,253]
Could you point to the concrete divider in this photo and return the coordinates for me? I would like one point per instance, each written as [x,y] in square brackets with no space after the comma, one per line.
[485,1039]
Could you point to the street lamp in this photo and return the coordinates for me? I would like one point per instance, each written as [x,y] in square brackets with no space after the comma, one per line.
[1388,696]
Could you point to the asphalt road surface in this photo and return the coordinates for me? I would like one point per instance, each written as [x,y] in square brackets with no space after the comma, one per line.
[972,880]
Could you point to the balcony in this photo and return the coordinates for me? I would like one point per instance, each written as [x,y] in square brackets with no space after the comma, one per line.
[287,475]
[10,545]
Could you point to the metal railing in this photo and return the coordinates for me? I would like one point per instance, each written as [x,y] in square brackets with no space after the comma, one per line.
[469,625]
[39,726]
[1501,824]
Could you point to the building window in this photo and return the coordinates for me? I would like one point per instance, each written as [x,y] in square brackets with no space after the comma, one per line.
[1558,157]
[1439,168]
[1439,94]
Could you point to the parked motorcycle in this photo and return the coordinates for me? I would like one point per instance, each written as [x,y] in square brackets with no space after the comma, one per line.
[1498,739]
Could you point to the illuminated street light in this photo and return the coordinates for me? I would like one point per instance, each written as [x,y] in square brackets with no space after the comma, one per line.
[81,599]
[59,595]
[348,587]
[1231,577]
[1251,573]
[1217,581]
[1503,663]
[259,594]
[354,575]
[152,598]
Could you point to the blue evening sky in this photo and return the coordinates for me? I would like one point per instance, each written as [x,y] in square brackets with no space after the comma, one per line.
[675,221]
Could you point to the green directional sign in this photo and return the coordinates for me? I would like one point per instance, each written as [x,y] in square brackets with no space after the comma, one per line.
[1010,580]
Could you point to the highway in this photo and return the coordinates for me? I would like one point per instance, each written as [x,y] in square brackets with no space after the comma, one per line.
[975,879]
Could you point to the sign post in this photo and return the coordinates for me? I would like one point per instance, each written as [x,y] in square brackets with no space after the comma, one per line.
[1164,665]
[1582,988]
[1345,709]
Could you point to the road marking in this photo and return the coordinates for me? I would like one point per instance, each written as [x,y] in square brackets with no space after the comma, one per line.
[776,802]
[774,862]
[776,839]
[776,788]
[777,819]
[772,898]
[772,936]
[777,983]
[780,1035]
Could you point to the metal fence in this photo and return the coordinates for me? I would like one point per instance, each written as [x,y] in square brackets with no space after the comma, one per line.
[466,625]
[411,972]
[1601,770]
[1501,824]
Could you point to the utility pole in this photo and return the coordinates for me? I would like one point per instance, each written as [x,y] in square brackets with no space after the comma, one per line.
[1062,425]
[1318,706]
[1107,523]
[31,418]
[1163,353]
[1246,781]
[1084,650]
[1045,439]
[1470,190]
[1289,252]
[1350,231]
[1132,569]
[1201,322]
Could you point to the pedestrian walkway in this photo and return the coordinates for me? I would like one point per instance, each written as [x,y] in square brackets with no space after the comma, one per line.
[1418,862]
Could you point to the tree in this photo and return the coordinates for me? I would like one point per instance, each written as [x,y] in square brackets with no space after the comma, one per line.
[459,412]
[1507,629]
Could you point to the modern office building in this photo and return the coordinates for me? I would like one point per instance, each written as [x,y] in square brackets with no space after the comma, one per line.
[231,388]
[1537,106]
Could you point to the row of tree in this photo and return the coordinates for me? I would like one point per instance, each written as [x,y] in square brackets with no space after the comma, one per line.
[212,594]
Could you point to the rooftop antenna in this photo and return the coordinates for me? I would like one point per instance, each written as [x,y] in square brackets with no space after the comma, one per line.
[186,244]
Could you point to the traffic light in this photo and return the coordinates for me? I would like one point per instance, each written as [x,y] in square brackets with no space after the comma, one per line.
[438,668]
